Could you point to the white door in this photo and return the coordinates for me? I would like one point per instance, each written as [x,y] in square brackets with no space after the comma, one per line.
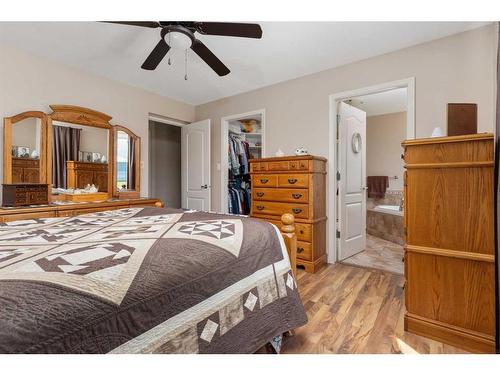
[195,148]
[352,184]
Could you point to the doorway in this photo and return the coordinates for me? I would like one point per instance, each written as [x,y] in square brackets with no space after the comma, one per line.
[360,155]
[244,132]
[165,163]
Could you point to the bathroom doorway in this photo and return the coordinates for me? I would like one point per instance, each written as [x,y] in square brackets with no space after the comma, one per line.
[370,180]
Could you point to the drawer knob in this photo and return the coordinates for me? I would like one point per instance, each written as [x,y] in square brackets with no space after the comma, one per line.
[296,195]
[300,250]
[260,194]
[260,208]
[297,210]
[301,231]
[264,180]
[292,180]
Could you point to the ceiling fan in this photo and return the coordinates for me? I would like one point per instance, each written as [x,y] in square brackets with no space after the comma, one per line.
[180,35]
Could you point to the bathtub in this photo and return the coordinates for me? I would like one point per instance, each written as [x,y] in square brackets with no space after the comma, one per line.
[388,209]
[385,221]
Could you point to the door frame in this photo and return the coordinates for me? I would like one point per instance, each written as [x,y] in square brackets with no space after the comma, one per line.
[224,160]
[334,99]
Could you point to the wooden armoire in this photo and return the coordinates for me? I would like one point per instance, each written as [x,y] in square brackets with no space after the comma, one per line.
[450,253]
[296,185]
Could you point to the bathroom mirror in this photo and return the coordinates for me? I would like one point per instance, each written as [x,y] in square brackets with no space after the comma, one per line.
[25,148]
[126,179]
[356,143]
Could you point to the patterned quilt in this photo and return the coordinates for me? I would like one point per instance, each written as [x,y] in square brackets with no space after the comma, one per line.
[144,280]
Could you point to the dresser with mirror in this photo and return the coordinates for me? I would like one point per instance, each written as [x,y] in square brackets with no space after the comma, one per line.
[68,161]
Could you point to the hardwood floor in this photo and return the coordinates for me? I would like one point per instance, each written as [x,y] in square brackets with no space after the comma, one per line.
[379,254]
[355,310]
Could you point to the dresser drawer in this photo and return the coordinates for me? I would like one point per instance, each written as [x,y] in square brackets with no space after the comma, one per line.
[303,231]
[273,208]
[304,250]
[300,165]
[280,195]
[278,166]
[28,216]
[293,180]
[264,180]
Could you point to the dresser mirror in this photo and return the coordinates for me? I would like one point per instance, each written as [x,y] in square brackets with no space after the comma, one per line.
[72,155]
[126,175]
[25,148]
[80,148]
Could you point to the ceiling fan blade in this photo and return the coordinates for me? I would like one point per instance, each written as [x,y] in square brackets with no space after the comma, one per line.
[156,55]
[150,24]
[213,61]
[243,30]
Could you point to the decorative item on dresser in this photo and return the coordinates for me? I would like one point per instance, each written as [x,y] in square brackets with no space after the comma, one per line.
[449,254]
[295,185]
[81,174]
[16,195]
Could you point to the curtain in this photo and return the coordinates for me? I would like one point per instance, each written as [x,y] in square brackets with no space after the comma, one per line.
[131,164]
[497,195]
[66,145]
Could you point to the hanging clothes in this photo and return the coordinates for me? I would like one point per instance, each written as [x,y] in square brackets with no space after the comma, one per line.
[239,192]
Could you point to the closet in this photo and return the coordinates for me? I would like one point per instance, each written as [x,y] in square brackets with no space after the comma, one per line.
[244,144]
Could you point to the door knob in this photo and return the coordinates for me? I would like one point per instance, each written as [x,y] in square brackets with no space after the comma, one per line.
[204,186]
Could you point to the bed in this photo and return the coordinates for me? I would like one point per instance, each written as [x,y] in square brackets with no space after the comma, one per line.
[144,280]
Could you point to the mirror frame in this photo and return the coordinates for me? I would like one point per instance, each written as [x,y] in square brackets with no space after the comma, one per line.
[8,123]
[82,116]
[137,190]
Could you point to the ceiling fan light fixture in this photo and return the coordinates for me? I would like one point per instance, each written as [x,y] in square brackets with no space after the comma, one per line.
[178,40]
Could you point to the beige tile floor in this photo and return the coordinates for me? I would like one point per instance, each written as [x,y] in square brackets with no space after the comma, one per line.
[379,254]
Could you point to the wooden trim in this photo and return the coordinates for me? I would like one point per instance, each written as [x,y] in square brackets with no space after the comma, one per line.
[7,144]
[455,138]
[80,115]
[137,156]
[468,164]
[480,257]
[449,334]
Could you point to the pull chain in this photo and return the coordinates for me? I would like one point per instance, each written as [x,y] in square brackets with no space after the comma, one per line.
[169,44]
[186,66]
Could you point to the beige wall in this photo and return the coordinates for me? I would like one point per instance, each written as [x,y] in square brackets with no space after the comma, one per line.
[459,68]
[384,134]
[28,82]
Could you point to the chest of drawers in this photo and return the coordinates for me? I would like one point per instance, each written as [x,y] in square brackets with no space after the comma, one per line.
[17,195]
[296,185]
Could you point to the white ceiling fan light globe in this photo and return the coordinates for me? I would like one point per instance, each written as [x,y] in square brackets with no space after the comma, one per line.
[178,40]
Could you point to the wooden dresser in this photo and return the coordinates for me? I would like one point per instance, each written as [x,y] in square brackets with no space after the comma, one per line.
[449,253]
[25,170]
[296,185]
[74,209]
[81,174]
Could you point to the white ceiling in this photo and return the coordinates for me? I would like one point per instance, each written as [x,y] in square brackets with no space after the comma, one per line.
[390,101]
[287,50]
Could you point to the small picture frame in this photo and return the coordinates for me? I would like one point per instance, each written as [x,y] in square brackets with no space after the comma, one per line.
[96,157]
[20,151]
[85,156]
